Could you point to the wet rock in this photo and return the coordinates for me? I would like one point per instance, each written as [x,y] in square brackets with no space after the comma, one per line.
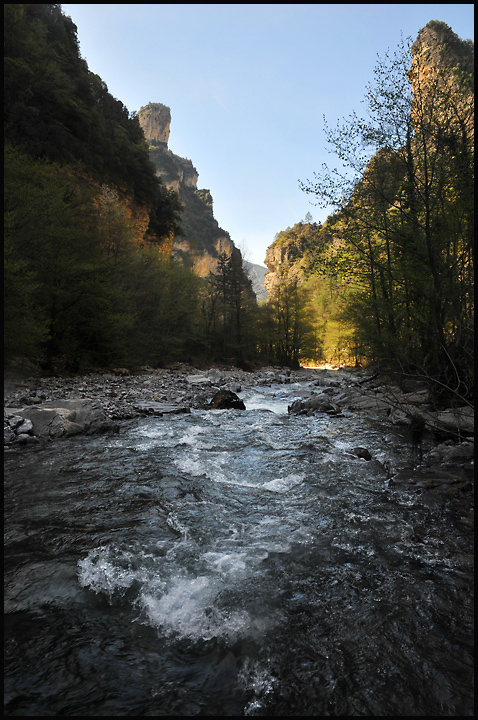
[361,452]
[224,400]
[25,439]
[14,421]
[441,480]
[284,379]
[26,427]
[315,403]
[450,452]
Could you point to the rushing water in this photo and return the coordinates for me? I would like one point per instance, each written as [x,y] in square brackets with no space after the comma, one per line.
[232,563]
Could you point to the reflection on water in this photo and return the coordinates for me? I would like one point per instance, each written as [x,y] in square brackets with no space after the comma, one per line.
[232,563]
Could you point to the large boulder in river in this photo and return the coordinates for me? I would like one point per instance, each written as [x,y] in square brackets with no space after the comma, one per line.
[225,399]
[63,418]
[314,403]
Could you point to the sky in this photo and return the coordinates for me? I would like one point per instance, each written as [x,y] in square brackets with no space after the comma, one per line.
[248,87]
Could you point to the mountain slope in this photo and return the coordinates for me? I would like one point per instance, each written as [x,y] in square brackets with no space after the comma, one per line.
[201,241]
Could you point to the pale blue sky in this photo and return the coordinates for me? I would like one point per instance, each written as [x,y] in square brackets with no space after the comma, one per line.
[248,86]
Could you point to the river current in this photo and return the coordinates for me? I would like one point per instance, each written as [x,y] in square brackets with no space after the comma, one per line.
[233,563]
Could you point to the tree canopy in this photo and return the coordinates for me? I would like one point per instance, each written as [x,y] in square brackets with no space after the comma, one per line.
[404,218]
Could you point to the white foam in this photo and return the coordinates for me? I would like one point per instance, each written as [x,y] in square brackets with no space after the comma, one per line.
[183,605]
[190,466]
[234,564]
[283,485]
[102,572]
[188,609]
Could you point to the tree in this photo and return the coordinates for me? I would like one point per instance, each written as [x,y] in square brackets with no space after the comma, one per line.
[290,329]
[228,310]
[405,203]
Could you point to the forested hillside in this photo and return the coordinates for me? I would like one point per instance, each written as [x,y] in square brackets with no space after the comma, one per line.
[397,255]
[89,226]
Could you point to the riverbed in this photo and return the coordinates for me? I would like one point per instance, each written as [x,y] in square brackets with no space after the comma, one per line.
[226,562]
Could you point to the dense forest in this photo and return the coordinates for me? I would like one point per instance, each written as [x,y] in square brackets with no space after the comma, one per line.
[89,277]
[90,281]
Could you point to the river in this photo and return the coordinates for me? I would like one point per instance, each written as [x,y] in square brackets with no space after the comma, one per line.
[233,563]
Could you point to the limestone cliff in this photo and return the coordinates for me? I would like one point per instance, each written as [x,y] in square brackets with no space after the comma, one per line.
[155,119]
[294,252]
[441,76]
[203,240]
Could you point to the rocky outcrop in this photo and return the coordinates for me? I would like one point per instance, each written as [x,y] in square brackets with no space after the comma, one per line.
[288,256]
[176,172]
[155,119]
[64,418]
[202,241]
[441,77]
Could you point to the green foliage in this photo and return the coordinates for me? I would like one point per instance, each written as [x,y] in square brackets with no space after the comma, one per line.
[56,108]
[228,312]
[308,296]
[405,220]
[79,289]
[166,301]
[291,327]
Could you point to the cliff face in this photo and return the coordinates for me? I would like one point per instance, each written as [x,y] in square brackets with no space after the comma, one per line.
[155,119]
[203,240]
[293,252]
[441,76]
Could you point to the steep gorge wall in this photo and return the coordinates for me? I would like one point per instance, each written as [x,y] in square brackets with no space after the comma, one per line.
[442,63]
[203,240]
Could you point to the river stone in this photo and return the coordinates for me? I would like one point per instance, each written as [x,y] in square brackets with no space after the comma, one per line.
[25,427]
[315,403]
[15,421]
[224,400]
[63,418]
[456,420]
[152,407]
[199,380]
[361,453]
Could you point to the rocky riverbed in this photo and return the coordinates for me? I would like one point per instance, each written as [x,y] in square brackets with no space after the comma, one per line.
[46,408]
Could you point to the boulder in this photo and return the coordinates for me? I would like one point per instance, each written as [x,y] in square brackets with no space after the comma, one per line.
[315,403]
[361,452]
[224,400]
[63,418]
[459,421]
[25,427]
